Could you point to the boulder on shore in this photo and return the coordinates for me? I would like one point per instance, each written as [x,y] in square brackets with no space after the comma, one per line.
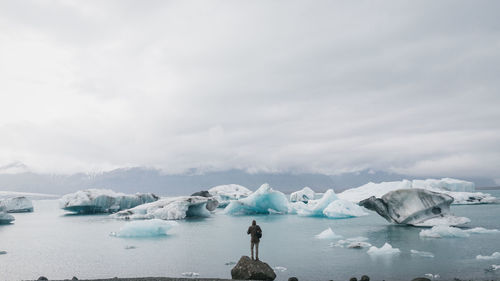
[248,269]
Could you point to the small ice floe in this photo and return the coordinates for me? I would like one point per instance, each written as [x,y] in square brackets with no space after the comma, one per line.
[146,228]
[421,254]
[432,276]
[442,231]
[328,234]
[129,247]
[494,256]
[493,267]
[190,274]
[279,268]
[230,263]
[3,252]
[352,243]
[386,250]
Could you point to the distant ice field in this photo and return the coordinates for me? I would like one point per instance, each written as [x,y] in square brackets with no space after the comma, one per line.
[50,243]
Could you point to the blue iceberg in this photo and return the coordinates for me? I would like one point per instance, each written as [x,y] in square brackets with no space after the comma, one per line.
[328,206]
[264,200]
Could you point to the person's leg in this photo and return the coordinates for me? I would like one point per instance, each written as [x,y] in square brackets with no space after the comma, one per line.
[251,248]
[257,250]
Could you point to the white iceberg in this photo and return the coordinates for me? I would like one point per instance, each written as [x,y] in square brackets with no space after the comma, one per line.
[494,267]
[4,217]
[327,206]
[280,268]
[432,276]
[264,200]
[386,250]
[343,209]
[17,205]
[494,256]
[421,254]
[352,243]
[172,208]
[92,201]
[414,207]
[328,234]
[463,192]
[226,193]
[303,195]
[146,228]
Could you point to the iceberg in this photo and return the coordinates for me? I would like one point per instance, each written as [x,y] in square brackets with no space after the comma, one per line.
[173,208]
[17,205]
[190,274]
[463,192]
[4,217]
[421,254]
[450,232]
[146,228]
[352,243]
[328,234]
[279,268]
[386,250]
[413,207]
[303,195]
[327,206]
[93,201]
[264,200]
[226,193]
[494,256]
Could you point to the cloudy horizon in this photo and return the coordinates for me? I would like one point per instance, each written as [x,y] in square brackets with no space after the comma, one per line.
[283,86]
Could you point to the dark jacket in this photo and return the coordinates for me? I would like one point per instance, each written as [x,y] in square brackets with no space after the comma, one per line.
[252,230]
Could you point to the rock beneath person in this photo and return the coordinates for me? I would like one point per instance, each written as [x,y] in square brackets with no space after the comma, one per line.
[248,269]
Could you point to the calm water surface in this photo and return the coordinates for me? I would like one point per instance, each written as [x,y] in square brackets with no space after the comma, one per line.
[50,243]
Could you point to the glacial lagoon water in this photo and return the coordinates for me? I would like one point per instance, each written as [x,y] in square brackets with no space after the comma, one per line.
[51,243]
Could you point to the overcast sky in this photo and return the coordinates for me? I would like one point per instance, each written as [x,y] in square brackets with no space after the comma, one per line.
[277,86]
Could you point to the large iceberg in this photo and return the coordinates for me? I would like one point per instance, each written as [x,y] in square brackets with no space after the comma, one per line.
[4,217]
[146,228]
[92,201]
[303,195]
[172,208]
[463,192]
[17,205]
[264,200]
[226,193]
[328,206]
[413,207]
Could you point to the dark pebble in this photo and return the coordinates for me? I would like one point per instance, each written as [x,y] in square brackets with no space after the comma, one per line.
[353,279]
[421,279]
[365,278]
[74,278]
[293,279]
[42,278]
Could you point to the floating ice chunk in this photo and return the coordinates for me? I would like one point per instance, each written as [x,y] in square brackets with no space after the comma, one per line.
[190,274]
[432,276]
[443,231]
[303,195]
[421,254]
[412,206]
[339,209]
[495,255]
[4,217]
[103,201]
[482,230]
[263,201]
[226,193]
[17,205]
[494,267]
[328,234]
[352,243]
[385,250]
[173,208]
[280,268]
[146,228]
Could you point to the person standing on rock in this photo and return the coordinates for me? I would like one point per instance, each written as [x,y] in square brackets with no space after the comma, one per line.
[255,235]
